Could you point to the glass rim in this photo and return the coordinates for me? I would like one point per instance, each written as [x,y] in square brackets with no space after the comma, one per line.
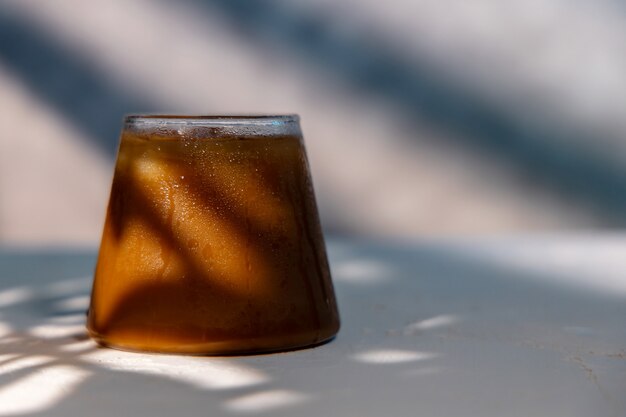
[211,120]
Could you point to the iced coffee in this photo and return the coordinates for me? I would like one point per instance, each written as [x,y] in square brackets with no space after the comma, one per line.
[212,242]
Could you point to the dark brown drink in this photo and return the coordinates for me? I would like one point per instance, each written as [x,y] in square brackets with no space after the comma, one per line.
[212,242]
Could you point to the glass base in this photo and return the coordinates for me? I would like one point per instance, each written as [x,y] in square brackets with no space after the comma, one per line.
[222,348]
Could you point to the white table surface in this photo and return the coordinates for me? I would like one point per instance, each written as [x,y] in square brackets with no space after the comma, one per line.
[523,327]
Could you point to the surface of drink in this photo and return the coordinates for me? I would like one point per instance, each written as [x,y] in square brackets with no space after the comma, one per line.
[212,242]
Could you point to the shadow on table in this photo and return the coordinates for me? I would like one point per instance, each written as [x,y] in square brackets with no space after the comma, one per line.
[408,314]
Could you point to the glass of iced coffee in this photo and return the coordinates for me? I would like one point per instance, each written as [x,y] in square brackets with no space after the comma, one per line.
[212,242]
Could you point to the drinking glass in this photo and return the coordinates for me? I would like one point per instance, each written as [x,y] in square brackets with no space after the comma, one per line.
[212,241]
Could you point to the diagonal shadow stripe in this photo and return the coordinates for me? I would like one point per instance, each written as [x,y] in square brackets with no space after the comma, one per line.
[374,69]
[71,84]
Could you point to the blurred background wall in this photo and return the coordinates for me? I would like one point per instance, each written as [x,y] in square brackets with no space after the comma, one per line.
[421,117]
